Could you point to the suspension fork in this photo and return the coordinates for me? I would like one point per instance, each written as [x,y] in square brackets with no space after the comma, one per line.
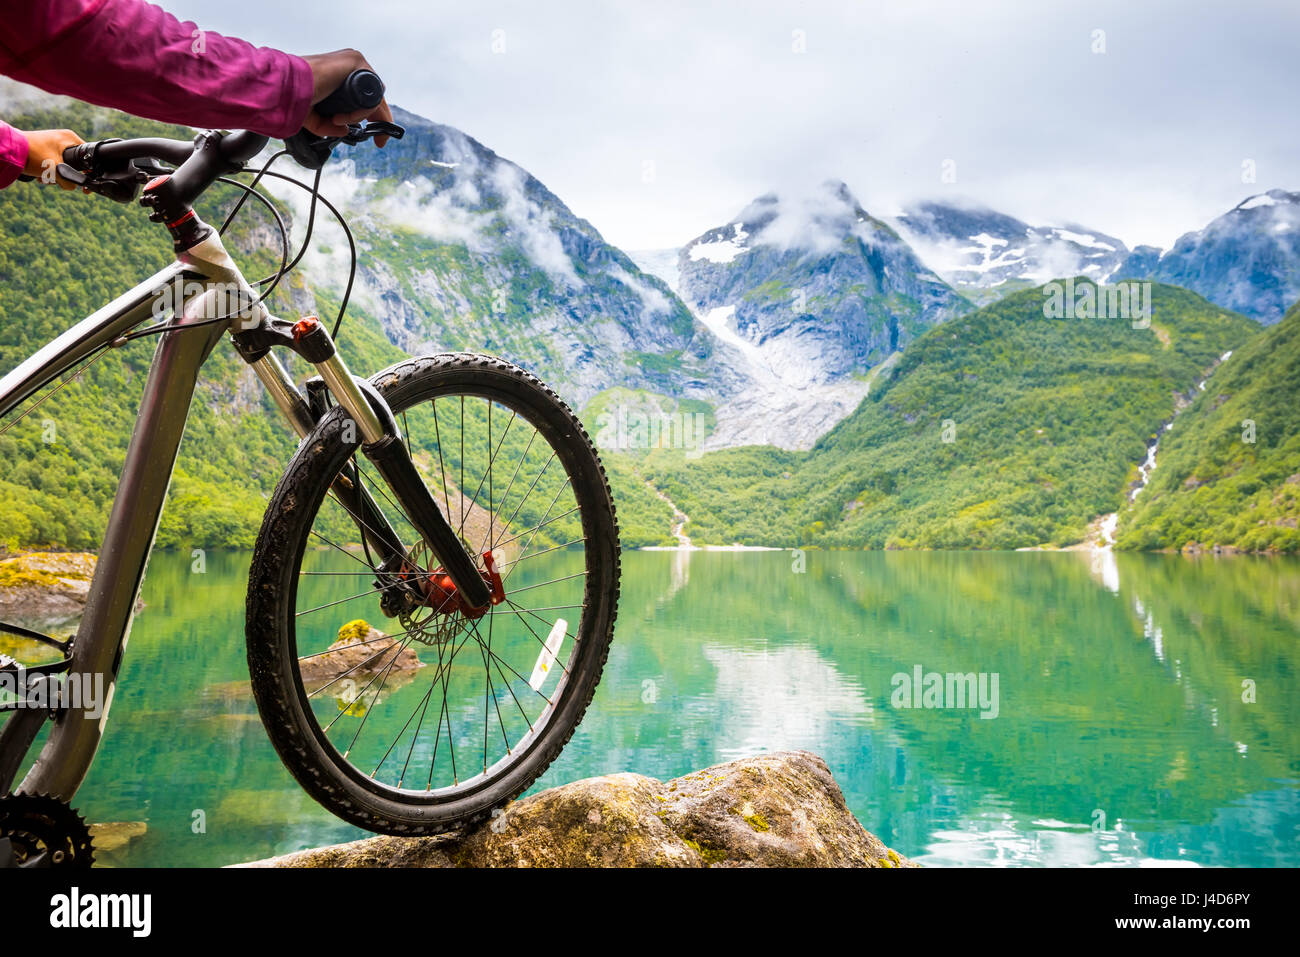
[381,443]
[302,416]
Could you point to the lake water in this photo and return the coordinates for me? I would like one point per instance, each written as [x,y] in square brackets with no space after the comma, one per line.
[1147,707]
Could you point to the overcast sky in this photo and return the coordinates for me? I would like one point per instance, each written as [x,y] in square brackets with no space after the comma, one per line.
[712,103]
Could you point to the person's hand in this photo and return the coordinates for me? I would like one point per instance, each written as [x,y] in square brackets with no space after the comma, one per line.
[328,71]
[45,152]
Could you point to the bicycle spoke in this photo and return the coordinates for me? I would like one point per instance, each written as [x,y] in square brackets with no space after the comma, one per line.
[541,641]
[342,549]
[442,468]
[360,695]
[369,591]
[523,550]
[516,561]
[533,611]
[509,486]
[531,487]
[502,661]
[534,528]
[358,665]
[564,578]
[465,712]
[403,731]
[492,457]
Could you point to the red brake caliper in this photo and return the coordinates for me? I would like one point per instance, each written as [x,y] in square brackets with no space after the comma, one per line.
[442,596]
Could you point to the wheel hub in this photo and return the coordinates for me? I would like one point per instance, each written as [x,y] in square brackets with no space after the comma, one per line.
[428,604]
[441,594]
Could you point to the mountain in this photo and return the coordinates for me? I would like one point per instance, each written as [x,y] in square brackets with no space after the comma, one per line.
[1228,472]
[1248,259]
[998,429]
[815,279]
[808,294]
[985,254]
[478,255]
[468,250]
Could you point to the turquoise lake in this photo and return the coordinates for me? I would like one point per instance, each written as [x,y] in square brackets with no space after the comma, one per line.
[1147,710]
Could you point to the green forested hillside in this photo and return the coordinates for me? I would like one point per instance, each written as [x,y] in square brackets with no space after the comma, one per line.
[999,429]
[1212,485]
[62,255]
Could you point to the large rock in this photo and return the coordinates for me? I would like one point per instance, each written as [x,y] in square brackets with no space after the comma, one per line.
[361,650]
[45,585]
[773,810]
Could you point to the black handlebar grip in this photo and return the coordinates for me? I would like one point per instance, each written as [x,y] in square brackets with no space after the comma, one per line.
[79,156]
[362,90]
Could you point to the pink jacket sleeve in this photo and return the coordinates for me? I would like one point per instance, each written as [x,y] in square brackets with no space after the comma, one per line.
[13,154]
[138,58]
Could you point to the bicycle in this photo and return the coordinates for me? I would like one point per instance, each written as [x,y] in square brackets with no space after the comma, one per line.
[391,510]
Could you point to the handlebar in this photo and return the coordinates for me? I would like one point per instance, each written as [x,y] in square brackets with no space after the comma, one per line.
[110,153]
[118,168]
[89,164]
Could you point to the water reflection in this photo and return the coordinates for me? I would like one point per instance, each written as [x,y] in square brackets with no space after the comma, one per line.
[1148,709]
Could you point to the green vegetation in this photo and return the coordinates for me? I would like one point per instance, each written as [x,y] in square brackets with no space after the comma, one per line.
[998,429]
[1212,485]
[624,423]
[61,257]
[1047,418]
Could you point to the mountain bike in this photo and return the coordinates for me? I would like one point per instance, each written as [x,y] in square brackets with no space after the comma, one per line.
[433,590]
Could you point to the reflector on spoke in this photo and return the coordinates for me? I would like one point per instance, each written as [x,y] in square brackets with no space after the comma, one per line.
[548,655]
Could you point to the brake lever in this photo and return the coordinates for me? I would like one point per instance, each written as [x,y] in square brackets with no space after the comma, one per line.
[120,186]
[312,151]
[359,134]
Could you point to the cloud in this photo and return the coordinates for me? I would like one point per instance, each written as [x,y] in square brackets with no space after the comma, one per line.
[531,225]
[1145,141]
[451,214]
[813,219]
[654,302]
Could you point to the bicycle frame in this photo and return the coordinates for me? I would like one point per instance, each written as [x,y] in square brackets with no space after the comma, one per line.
[146,473]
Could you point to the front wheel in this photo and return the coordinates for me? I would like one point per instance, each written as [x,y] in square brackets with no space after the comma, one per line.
[431,718]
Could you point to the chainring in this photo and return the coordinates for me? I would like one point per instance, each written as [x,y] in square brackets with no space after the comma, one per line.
[43,831]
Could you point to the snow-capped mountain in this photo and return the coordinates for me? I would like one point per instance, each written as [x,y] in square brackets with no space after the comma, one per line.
[986,254]
[813,281]
[807,293]
[464,249]
[1248,259]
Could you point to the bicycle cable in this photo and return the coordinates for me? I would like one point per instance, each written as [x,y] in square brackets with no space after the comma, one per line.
[347,232]
[167,326]
[249,189]
[253,185]
[94,357]
[285,266]
[68,379]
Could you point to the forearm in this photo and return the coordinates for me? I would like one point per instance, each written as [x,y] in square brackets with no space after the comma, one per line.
[136,57]
[13,154]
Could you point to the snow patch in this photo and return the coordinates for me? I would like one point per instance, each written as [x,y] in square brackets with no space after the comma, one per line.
[722,250]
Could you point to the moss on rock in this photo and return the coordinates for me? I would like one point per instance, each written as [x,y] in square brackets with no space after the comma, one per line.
[781,809]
